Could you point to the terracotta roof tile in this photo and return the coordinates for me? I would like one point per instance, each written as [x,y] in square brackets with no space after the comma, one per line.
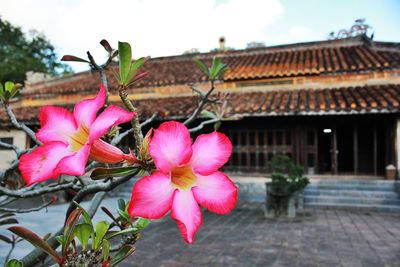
[335,57]
[382,98]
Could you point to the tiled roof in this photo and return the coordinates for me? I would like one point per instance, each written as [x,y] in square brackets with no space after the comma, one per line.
[315,58]
[346,100]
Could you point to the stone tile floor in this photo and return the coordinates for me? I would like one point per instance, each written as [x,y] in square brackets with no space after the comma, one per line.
[319,237]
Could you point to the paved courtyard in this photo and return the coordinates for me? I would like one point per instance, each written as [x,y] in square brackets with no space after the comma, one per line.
[320,237]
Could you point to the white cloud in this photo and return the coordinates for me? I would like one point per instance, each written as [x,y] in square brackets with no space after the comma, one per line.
[153,27]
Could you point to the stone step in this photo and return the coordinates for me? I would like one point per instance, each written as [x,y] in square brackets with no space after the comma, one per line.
[389,208]
[351,193]
[356,187]
[354,181]
[351,200]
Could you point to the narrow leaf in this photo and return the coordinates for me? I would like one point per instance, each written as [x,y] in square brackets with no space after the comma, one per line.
[69,228]
[35,240]
[142,223]
[83,232]
[8,214]
[116,76]
[1,89]
[122,232]
[73,58]
[8,221]
[125,59]
[124,215]
[105,249]
[214,67]
[122,254]
[121,204]
[106,211]
[208,114]
[202,67]
[101,230]
[101,173]
[106,45]
[5,239]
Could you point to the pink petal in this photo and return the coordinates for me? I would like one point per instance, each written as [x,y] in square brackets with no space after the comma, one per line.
[151,196]
[75,163]
[170,146]
[216,192]
[56,124]
[111,116]
[39,165]
[210,152]
[86,110]
[105,153]
[186,212]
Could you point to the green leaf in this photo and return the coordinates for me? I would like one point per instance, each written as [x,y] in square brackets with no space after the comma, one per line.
[116,76]
[14,263]
[122,232]
[102,173]
[105,249]
[125,59]
[35,240]
[217,125]
[69,229]
[142,223]
[83,232]
[1,89]
[202,67]
[101,230]
[121,204]
[124,215]
[9,86]
[122,254]
[73,58]
[208,114]
[60,240]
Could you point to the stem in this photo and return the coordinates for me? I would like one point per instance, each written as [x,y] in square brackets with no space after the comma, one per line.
[137,133]
[203,101]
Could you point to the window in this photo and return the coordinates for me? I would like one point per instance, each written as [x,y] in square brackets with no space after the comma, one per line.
[7,140]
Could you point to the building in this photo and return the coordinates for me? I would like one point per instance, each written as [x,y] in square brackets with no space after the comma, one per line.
[333,106]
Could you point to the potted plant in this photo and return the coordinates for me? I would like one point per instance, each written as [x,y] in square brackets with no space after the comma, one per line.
[285,191]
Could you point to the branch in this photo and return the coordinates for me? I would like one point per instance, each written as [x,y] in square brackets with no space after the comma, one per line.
[100,69]
[202,124]
[23,193]
[137,133]
[29,210]
[203,101]
[20,126]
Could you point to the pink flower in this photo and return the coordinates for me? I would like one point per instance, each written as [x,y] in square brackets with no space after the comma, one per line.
[68,139]
[186,175]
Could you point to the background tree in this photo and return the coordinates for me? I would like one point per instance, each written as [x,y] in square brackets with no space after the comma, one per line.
[20,53]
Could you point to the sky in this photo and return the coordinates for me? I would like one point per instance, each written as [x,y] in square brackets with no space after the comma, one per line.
[170,27]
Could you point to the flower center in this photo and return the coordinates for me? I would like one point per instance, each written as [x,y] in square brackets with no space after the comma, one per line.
[79,138]
[183,178]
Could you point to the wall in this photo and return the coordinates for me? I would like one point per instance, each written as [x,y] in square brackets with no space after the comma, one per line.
[7,156]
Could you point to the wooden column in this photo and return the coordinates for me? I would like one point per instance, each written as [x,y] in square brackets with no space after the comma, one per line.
[334,152]
[397,147]
[355,150]
[375,155]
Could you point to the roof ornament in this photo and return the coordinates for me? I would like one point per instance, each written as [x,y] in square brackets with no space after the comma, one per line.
[360,28]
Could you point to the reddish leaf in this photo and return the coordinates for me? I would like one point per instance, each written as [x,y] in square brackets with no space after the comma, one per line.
[106,45]
[69,229]
[35,240]
[73,58]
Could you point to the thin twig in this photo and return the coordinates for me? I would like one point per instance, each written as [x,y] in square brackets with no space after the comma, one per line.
[203,101]
[22,193]
[28,210]
[202,124]
[20,126]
